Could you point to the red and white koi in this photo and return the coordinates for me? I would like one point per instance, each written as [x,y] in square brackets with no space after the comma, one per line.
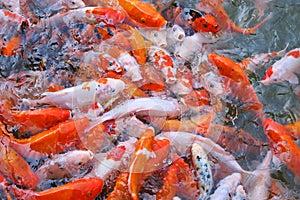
[257,61]
[85,95]
[203,170]
[70,164]
[226,187]
[116,158]
[163,61]
[284,69]
[259,182]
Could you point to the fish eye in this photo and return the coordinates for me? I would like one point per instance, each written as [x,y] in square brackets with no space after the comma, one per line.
[174,29]
[79,163]
[275,79]
[73,2]
[143,20]
[155,34]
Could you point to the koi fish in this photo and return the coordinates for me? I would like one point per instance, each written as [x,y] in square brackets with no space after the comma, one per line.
[14,168]
[55,140]
[67,165]
[129,63]
[85,95]
[225,23]
[203,169]
[3,189]
[42,9]
[163,61]
[282,144]
[258,184]
[257,61]
[183,140]
[235,78]
[294,129]
[142,14]
[32,121]
[155,106]
[284,69]
[141,155]
[130,125]
[114,160]
[200,21]
[84,189]
[156,37]
[121,188]
[226,187]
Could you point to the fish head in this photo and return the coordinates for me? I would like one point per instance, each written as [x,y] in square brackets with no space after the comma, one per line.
[79,158]
[271,77]
[108,88]
[73,4]
[176,33]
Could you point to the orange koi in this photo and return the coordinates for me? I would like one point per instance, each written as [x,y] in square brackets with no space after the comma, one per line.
[152,79]
[11,47]
[84,189]
[55,140]
[170,182]
[142,14]
[215,7]
[137,43]
[237,81]
[282,144]
[120,191]
[294,129]
[187,185]
[197,98]
[32,121]
[14,168]
[140,156]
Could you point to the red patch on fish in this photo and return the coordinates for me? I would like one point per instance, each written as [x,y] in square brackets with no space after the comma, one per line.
[102,80]
[116,153]
[295,54]
[268,73]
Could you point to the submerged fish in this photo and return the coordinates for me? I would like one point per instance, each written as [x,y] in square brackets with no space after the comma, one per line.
[284,69]
[85,95]
[70,164]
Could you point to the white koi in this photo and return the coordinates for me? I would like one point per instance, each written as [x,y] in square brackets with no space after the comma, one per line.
[226,187]
[131,126]
[284,69]
[258,184]
[175,35]
[85,95]
[203,169]
[157,37]
[152,106]
[60,166]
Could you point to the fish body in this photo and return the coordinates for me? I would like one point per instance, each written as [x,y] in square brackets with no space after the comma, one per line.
[163,61]
[240,193]
[155,106]
[65,165]
[142,14]
[83,189]
[259,182]
[226,187]
[157,37]
[204,173]
[85,95]
[284,69]
[282,144]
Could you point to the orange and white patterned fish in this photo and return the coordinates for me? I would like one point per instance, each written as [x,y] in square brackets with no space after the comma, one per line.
[284,69]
